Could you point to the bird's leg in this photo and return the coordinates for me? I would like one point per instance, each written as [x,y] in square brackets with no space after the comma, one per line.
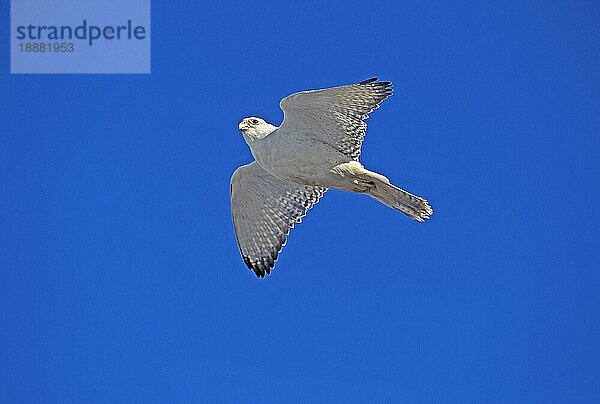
[352,177]
[362,186]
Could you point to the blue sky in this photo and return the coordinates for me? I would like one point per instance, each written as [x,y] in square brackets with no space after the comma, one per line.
[121,278]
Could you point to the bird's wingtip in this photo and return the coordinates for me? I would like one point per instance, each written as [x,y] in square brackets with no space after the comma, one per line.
[371,80]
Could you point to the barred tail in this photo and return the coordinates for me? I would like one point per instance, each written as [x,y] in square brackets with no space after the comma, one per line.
[411,205]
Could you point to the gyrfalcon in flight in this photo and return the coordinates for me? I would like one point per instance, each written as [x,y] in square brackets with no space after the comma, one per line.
[316,147]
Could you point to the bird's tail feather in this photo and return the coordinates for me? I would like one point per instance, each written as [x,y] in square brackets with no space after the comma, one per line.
[411,205]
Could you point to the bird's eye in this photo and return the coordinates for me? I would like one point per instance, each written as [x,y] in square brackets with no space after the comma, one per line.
[254,121]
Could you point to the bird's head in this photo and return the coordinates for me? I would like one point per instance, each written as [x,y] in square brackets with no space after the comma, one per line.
[254,128]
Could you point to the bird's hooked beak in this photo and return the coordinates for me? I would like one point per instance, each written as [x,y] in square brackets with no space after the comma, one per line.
[243,126]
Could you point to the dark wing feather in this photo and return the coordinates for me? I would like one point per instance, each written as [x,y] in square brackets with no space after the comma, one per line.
[336,115]
[264,209]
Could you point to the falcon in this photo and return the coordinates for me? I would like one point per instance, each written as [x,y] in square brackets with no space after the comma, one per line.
[317,147]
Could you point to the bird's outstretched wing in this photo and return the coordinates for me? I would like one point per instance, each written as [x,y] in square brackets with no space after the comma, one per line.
[264,208]
[336,115]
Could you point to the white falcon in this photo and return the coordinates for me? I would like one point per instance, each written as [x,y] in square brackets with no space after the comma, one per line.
[316,147]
